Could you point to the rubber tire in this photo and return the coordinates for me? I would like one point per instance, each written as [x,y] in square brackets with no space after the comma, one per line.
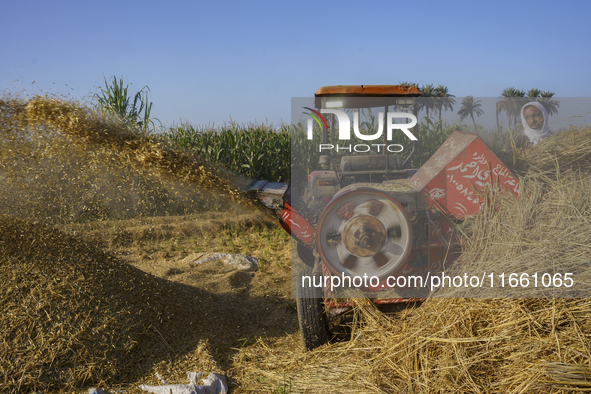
[306,255]
[311,317]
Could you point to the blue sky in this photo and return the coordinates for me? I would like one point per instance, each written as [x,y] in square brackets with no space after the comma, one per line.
[205,62]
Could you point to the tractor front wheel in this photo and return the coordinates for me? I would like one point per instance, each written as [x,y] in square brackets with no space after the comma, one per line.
[311,316]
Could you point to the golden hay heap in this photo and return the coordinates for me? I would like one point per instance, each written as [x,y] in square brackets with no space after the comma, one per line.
[128,147]
[570,149]
[440,346]
[547,230]
[64,162]
[535,345]
[73,316]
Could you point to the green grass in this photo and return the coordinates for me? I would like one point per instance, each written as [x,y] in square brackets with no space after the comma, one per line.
[282,387]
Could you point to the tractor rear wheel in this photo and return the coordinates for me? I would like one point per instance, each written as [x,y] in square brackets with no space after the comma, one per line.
[311,316]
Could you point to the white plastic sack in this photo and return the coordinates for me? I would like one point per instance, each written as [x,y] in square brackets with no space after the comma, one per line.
[95,390]
[240,261]
[213,384]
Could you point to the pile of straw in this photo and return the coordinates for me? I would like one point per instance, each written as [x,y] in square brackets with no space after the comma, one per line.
[570,149]
[450,345]
[486,345]
[73,164]
[546,231]
[73,316]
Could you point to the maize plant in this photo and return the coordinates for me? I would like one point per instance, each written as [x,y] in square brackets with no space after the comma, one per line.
[257,152]
[114,99]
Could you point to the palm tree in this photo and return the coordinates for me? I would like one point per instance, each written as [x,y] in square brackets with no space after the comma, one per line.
[416,85]
[416,104]
[444,101]
[550,105]
[470,108]
[533,94]
[511,104]
[428,102]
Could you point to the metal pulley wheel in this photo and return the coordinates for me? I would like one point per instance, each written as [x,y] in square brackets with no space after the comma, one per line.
[364,231]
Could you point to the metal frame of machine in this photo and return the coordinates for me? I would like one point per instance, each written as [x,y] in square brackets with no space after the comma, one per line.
[377,216]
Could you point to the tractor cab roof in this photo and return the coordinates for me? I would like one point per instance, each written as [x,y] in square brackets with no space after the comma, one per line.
[369,91]
[364,96]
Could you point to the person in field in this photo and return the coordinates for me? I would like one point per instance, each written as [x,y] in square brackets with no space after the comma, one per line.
[534,118]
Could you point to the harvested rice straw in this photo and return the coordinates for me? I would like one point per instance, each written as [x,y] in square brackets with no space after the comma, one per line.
[73,164]
[73,316]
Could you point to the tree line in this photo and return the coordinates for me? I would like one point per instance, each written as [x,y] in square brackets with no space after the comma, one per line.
[438,99]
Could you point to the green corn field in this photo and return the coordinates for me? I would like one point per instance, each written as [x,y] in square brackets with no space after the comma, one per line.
[279,154]
[254,151]
[260,151]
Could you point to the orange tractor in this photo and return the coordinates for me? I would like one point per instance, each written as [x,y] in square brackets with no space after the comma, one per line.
[364,214]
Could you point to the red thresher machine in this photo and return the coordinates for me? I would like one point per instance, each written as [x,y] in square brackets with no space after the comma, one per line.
[376,217]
